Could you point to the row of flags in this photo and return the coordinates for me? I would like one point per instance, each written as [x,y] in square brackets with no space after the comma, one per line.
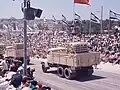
[77,17]
[94,18]
[113,16]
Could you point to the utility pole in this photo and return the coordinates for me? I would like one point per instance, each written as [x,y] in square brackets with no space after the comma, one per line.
[29,14]
[25,38]
[101,20]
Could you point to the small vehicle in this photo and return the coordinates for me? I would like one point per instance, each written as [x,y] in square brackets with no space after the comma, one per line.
[71,59]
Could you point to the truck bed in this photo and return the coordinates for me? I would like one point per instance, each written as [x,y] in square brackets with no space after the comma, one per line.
[76,60]
[87,59]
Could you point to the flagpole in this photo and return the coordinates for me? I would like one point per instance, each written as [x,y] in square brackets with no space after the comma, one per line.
[73,11]
[101,20]
[90,25]
[109,23]
[73,17]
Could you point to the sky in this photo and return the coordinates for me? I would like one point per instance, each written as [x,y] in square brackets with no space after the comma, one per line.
[10,8]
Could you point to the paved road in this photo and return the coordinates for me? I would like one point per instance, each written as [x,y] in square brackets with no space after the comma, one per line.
[99,81]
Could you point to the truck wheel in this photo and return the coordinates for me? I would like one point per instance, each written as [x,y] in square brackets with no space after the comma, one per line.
[90,72]
[69,74]
[44,69]
[60,72]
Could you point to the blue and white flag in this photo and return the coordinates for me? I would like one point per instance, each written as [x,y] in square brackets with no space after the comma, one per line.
[64,18]
[94,18]
[114,15]
[54,19]
[77,17]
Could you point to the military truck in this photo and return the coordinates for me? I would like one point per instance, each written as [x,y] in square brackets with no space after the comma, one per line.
[16,51]
[70,59]
[2,49]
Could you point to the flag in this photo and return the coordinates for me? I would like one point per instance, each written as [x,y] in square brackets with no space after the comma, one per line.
[54,19]
[77,17]
[94,18]
[14,26]
[82,2]
[114,15]
[64,18]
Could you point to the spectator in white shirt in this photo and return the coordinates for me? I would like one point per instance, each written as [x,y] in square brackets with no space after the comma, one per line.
[4,65]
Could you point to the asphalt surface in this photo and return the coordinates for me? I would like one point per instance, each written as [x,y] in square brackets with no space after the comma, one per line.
[100,80]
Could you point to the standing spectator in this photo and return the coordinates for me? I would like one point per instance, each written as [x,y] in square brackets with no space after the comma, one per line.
[4,65]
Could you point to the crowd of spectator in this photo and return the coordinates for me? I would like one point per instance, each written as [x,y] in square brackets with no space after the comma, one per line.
[13,78]
[41,40]
[107,44]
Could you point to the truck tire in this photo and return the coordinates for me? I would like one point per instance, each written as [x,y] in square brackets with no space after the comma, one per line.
[69,74]
[87,71]
[90,71]
[60,71]
[44,69]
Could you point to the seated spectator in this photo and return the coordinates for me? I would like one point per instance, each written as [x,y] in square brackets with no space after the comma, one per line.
[26,83]
[113,57]
[15,82]
[106,56]
[33,85]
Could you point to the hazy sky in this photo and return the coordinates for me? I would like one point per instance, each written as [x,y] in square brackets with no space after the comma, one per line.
[9,8]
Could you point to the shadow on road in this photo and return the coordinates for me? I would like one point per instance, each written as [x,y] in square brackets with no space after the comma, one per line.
[80,77]
[52,71]
[88,78]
